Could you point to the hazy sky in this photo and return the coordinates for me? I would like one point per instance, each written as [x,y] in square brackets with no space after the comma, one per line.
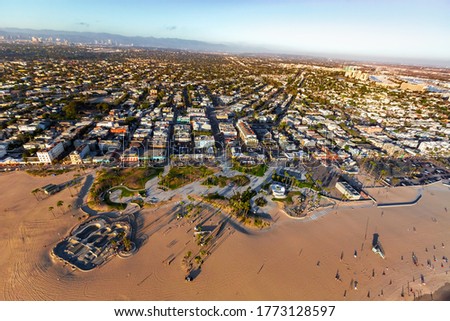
[385,28]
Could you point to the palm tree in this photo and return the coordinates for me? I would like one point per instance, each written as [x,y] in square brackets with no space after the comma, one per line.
[34,192]
[383,174]
[286,177]
[59,204]
[50,209]
[126,243]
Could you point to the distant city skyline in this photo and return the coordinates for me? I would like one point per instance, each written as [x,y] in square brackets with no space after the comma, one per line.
[415,30]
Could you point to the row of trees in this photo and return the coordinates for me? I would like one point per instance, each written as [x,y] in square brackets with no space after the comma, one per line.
[60,206]
[240,202]
[289,180]
[122,240]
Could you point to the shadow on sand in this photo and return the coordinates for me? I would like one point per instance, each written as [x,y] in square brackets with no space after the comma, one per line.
[237,226]
[84,190]
[375,238]
[194,274]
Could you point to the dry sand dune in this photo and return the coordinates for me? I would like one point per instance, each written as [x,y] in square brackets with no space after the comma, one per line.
[293,260]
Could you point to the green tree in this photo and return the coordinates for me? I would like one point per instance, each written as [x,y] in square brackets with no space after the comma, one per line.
[260,201]
[50,209]
[60,204]
[71,110]
[130,120]
[383,174]
[35,192]
[103,107]
[144,105]
[126,244]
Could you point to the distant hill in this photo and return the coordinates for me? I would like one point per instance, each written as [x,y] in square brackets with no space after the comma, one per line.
[92,38]
[113,39]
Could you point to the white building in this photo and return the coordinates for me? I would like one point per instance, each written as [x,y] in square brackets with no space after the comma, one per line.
[107,124]
[77,156]
[429,147]
[348,191]
[201,125]
[182,133]
[204,141]
[247,134]
[278,191]
[27,128]
[142,133]
[46,156]
[228,131]
[196,112]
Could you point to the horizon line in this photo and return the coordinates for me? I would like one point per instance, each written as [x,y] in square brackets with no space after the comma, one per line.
[240,48]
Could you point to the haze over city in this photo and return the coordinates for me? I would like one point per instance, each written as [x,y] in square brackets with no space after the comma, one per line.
[380,30]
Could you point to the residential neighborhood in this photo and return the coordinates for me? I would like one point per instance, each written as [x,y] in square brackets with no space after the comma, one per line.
[136,107]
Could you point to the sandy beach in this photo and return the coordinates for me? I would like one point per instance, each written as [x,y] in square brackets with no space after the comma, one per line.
[292,260]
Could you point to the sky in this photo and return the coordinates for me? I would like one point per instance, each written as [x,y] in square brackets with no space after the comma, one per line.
[410,29]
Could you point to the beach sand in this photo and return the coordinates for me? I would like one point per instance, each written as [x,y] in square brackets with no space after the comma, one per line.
[293,260]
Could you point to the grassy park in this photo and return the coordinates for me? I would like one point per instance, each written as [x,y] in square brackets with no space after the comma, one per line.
[133,178]
[222,181]
[256,170]
[180,176]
